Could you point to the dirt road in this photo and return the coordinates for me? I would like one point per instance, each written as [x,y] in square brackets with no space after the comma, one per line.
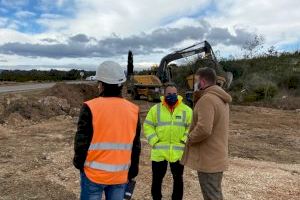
[36,159]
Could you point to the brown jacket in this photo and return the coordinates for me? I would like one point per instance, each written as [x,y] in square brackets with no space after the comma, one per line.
[207,147]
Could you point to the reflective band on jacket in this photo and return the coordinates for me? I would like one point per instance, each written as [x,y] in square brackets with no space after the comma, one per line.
[179,124]
[184,116]
[166,147]
[151,136]
[106,167]
[110,146]
[178,148]
[160,123]
[164,123]
[161,147]
[149,123]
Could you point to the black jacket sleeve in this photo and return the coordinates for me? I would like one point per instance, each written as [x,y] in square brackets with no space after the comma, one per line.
[83,137]
[136,151]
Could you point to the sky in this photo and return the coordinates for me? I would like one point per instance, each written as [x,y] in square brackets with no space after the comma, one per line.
[65,34]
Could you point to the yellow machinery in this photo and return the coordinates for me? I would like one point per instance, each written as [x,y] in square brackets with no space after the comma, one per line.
[148,86]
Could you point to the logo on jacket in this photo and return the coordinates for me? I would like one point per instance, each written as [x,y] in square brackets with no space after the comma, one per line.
[178,117]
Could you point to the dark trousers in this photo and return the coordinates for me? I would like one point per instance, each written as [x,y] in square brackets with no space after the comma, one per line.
[210,184]
[159,170]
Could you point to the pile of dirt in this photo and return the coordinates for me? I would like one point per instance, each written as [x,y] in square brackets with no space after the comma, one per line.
[61,99]
[33,109]
[75,94]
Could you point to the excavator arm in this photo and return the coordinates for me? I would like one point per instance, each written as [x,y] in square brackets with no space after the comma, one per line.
[164,73]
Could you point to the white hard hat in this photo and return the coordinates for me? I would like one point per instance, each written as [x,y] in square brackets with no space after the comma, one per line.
[110,72]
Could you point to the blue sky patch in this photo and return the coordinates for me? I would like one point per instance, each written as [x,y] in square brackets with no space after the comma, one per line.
[23,15]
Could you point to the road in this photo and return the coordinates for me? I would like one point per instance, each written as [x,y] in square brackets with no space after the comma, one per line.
[33,86]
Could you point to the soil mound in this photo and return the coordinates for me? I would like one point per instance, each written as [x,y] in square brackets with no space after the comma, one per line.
[61,99]
[75,94]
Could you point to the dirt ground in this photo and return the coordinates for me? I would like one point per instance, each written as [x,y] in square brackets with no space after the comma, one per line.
[36,158]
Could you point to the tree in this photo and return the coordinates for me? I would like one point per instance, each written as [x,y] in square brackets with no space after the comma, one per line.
[130,64]
[253,46]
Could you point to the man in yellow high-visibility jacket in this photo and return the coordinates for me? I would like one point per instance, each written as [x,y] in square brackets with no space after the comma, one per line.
[166,127]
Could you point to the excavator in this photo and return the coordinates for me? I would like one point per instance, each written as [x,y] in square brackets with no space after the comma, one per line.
[165,75]
[151,85]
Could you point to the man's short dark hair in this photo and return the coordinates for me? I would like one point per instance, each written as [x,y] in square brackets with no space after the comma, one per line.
[112,90]
[208,74]
[170,84]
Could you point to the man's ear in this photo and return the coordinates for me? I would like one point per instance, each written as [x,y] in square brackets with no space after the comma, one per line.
[100,88]
[202,83]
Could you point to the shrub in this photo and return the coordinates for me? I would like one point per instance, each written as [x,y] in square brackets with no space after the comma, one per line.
[293,82]
[259,88]
[266,91]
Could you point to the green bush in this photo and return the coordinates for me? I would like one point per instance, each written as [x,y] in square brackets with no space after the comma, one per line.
[237,85]
[236,68]
[259,88]
[250,97]
[265,91]
[293,82]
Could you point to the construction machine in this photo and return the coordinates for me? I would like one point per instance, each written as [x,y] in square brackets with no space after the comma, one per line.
[224,79]
[165,74]
[150,85]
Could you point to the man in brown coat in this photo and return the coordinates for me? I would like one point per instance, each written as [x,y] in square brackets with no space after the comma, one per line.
[207,147]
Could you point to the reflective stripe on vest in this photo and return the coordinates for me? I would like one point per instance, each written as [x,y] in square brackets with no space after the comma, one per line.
[110,146]
[149,122]
[106,167]
[160,123]
[167,147]
[151,136]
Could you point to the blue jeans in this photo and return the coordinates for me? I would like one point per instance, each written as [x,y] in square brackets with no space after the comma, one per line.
[93,191]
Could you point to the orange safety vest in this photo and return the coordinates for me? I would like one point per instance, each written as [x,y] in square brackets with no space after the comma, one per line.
[114,129]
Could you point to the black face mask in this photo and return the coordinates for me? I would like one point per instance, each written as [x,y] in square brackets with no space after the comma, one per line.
[171,99]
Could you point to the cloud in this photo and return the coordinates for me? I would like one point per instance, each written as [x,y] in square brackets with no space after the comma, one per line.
[126,17]
[24,14]
[277,20]
[3,22]
[14,24]
[14,4]
[80,38]
[46,5]
[49,40]
[60,3]
[53,22]
[51,16]
[81,45]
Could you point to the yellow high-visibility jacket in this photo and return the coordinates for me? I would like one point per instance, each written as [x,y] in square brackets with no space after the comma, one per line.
[167,131]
